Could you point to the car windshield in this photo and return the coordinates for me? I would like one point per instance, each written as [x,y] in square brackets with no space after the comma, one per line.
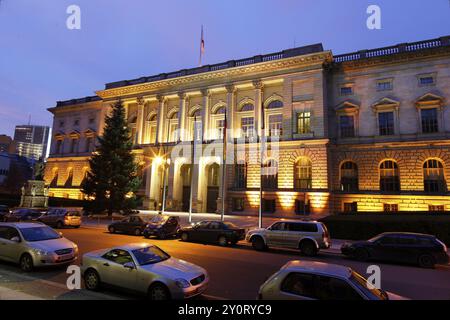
[73,214]
[39,234]
[158,219]
[366,287]
[150,255]
[230,225]
[376,238]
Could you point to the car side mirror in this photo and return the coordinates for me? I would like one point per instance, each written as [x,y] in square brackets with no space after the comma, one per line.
[15,239]
[129,265]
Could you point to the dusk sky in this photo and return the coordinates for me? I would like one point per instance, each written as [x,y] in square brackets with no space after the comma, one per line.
[42,61]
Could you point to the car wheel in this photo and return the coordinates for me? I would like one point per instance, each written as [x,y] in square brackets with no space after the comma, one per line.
[308,248]
[361,254]
[223,242]
[59,225]
[158,291]
[184,236]
[111,229]
[137,232]
[426,261]
[26,263]
[258,244]
[146,235]
[92,280]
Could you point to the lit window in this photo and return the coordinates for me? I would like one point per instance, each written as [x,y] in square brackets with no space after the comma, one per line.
[389,177]
[304,122]
[275,125]
[303,174]
[434,179]
[248,127]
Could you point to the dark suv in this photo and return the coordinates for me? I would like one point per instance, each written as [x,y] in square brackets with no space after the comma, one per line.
[4,212]
[133,224]
[162,226]
[420,249]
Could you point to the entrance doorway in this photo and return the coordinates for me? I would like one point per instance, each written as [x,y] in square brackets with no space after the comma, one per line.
[185,173]
[213,188]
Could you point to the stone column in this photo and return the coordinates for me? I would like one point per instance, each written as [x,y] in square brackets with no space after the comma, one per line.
[205,114]
[161,119]
[182,117]
[148,205]
[258,102]
[231,104]
[140,120]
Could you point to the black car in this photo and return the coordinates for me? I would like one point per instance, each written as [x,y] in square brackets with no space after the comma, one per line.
[411,248]
[4,211]
[133,224]
[223,233]
[23,215]
[162,226]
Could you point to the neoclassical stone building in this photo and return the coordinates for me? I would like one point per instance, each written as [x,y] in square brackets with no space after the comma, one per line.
[367,131]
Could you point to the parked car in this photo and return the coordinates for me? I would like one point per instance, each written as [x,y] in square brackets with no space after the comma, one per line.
[223,233]
[62,217]
[309,280]
[134,224]
[23,215]
[162,226]
[307,236]
[419,249]
[35,245]
[4,211]
[145,269]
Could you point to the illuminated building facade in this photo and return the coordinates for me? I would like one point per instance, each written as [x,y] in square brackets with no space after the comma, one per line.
[366,131]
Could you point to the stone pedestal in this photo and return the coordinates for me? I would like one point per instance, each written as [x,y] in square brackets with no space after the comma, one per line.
[34,195]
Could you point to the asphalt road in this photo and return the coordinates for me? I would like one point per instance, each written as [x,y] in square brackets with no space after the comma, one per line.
[236,273]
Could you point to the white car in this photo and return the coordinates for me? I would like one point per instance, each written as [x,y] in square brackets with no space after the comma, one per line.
[307,280]
[145,269]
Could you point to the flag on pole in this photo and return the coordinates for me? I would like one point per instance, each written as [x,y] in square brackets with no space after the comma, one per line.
[202,47]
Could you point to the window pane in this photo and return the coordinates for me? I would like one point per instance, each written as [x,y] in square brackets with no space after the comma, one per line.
[304,122]
[275,125]
[429,120]
[386,123]
[347,126]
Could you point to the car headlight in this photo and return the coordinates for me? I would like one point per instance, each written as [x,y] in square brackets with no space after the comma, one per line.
[40,252]
[182,283]
[75,248]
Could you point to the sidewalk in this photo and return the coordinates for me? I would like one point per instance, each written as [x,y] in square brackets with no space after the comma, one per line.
[9,294]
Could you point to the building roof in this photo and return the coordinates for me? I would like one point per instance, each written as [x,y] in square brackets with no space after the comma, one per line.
[310,49]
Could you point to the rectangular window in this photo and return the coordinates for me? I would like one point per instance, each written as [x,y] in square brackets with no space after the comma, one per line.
[153,134]
[346,90]
[269,205]
[88,144]
[76,123]
[173,132]
[275,125]
[429,120]
[302,208]
[433,208]
[350,207]
[347,126]
[384,85]
[240,179]
[73,146]
[58,146]
[247,127]
[304,122]
[386,123]
[91,120]
[426,80]
[238,204]
[220,125]
[389,207]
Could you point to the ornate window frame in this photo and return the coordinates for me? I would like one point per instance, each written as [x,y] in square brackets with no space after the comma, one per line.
[431,101]
[387,105]
[348,108]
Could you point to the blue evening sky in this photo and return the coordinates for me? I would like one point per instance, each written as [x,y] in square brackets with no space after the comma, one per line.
[41,61]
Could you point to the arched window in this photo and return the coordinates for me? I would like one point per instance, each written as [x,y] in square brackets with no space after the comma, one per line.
[221,110]
[303,174]
[240,176]
[349,177]
[54,182]
[433,176]
[389,177]
[275,104]
[213,175]
[69,180]
[270,174]
[247,107]
[173,127]
[152,125]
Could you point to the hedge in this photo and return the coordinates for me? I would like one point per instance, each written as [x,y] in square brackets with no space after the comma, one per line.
[364,227]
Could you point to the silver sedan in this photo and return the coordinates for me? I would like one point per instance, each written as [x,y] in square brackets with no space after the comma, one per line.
[145,269]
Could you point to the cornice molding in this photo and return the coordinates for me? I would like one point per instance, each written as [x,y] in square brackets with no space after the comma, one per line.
[277,65]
